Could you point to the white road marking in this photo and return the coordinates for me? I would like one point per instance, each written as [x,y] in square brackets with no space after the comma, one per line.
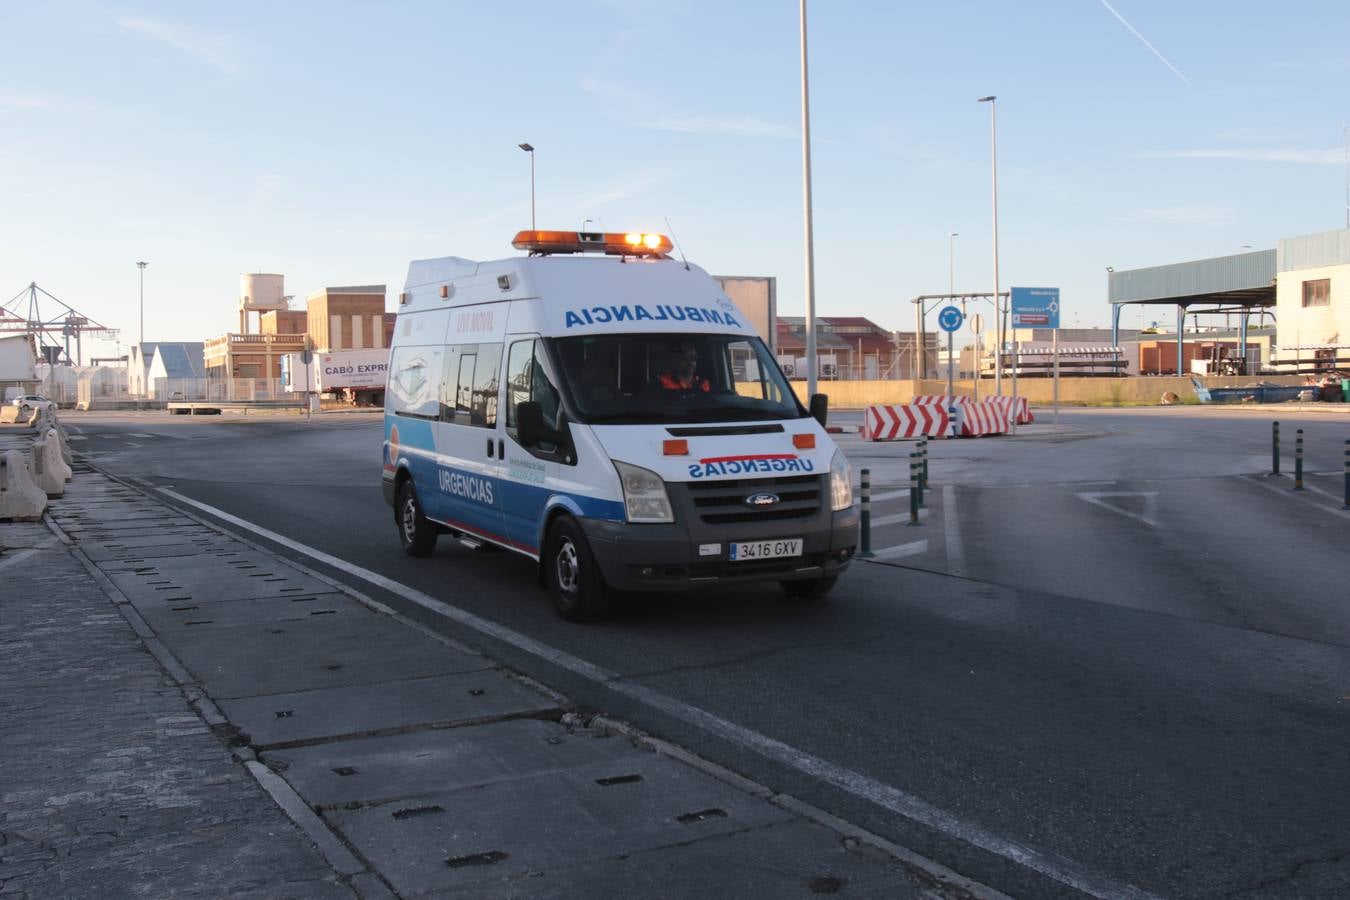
[890,495]
[1103,499]
[77,437]
[956,551]
[139,434]
[1058,869]
[878,521]
[23,554]
[1292,494]
[911,549]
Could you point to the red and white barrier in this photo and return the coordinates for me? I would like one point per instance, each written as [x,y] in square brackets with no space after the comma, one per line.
[1015,408]
[894,423]
[977,418]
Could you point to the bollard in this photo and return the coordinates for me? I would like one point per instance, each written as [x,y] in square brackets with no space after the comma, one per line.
[865,526]
[1298,459]
[1347,476]
[918,458]
[923,448]
[914,489]
[1274,448]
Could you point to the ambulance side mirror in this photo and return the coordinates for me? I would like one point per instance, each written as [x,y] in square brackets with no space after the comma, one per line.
[819,407]
[530,428]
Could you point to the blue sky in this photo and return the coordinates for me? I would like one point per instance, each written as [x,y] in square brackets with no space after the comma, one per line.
[333,142]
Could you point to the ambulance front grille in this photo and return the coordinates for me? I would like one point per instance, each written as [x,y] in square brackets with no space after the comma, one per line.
[723,502]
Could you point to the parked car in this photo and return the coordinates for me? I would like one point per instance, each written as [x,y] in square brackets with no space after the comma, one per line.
[29,402]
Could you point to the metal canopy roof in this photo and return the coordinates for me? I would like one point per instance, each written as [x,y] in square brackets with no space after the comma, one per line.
[1244,280]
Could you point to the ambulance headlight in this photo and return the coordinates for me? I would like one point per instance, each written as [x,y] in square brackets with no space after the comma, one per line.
[841,482]
[644,495]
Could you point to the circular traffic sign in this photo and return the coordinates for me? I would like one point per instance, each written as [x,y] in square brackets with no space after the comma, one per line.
[949,318]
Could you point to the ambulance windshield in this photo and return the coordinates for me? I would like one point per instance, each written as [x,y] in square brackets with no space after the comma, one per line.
[665,378]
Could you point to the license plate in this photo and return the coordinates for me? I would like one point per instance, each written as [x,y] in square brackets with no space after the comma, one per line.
[743,550]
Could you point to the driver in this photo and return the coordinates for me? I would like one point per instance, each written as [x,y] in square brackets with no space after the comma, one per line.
[680,374]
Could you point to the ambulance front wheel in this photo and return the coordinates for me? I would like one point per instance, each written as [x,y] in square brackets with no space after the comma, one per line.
[575,584]
[415,533]
[810,588]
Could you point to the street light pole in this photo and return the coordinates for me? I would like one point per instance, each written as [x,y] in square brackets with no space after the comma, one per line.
[530,150]
[141,266]
[998,313]
[811,360]
[951,292]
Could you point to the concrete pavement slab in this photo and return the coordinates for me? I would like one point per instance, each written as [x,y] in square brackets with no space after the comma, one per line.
[782,860]
[360,647]
[471,839]
[249,576]
[188,614]
[279,720]
[378,770]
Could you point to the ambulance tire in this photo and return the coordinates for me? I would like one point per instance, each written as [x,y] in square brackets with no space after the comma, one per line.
[415,533]
[810,588]
[575,584]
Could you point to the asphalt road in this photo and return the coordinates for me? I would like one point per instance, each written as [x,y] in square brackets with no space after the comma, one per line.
[1114,657]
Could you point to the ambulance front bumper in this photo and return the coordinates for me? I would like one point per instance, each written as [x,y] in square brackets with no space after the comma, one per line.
[669,557]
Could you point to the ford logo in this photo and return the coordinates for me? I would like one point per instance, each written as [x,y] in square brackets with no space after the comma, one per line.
[758,500]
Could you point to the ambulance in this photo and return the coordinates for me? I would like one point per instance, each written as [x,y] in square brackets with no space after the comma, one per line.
[605,410]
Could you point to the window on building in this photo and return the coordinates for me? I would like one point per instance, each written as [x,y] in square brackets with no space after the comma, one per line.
[1317,293]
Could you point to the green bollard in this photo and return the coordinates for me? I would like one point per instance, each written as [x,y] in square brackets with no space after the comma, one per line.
[914,489]
[866,518]
[1298,460]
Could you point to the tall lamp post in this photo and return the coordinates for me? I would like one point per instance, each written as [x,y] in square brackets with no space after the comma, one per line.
[951,291]
[530,150]
[811,361]
[998,313]
[141,265]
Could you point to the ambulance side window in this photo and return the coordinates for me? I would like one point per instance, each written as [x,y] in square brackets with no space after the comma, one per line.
[483,403]
[464,393]
[528,378]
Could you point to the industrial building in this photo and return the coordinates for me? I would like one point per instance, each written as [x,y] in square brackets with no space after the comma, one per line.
[1303,285]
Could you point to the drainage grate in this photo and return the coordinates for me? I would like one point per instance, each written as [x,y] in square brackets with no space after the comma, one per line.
[618,779]
[285,713]
[701,815]
[344,771]
[476,859]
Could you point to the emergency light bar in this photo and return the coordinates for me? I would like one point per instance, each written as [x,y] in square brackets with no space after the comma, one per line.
[619,243]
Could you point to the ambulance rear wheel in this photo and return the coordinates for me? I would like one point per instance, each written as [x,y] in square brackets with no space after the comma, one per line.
[575,585]
[415,533]
[810,588]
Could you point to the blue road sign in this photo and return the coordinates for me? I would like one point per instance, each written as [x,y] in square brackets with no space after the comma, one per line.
[950,318]
[1035,307]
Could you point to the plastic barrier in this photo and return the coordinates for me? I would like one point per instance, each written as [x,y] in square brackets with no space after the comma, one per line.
[979,418]
[20,497]
[1015,406]
[894,423]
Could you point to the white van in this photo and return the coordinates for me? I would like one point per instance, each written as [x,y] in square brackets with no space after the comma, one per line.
[608,412]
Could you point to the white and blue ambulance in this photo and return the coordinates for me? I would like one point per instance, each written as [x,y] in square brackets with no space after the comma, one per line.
[608,412]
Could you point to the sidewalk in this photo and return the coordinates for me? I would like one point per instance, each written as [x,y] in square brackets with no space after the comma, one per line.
[111,784]
[186,715]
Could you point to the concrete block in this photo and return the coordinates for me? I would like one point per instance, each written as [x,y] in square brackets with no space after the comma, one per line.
[62,441]
[50,444]
[48,470]
[20,496]
[9,414]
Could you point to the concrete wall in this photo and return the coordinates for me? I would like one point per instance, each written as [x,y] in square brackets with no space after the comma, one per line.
[1040,391]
